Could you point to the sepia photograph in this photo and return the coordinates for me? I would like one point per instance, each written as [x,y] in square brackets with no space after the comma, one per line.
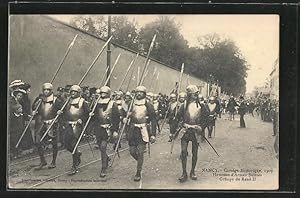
[143,101]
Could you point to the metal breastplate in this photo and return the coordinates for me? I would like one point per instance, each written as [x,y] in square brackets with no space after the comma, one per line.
[212,107]
[139,114]
[46,110]
[119,105]
[173,106]
[125,106]
[104,116]
[192,113]
[155,105]
[74,111]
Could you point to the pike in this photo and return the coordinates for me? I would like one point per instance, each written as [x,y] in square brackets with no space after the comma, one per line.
[130,106]
[138,76]
[146,73]
[177,100]
[215,129]
[81,80]
[130,78]
[94,107]
[127,71]
[152,79]
[53,78]
[155,87]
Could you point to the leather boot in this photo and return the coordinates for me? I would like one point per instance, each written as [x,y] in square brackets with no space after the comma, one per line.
[74,168]
[183,177]
[103,173]
[52,165]
[41,165]
[77,159]
[137,176]
[193,175]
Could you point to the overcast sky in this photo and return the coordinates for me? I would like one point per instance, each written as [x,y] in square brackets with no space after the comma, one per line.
[257,36]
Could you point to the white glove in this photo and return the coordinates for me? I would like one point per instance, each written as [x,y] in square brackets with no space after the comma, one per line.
[91,114]
[115,135]
[34,113]
[59,112]
[152,139]
[79,121]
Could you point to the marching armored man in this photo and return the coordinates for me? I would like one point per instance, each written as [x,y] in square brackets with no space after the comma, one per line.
[107,119]
[158,109]
[73,118]
[157,106]
[212,109]
[125,107]
[44,116]
[119,102]
[182,97]
[149,97]
[141,116]
[172,117]
[192,114]
[127,101]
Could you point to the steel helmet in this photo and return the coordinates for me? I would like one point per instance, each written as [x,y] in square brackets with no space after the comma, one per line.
[182,95]
[192,89]
[97,91]
[211,98]
[75,88]
[141,89]
[47,86]
[200,96]
[173,95]
[105,89]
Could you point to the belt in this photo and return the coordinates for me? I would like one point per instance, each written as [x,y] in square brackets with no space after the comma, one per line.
[188,126]
[48,121]
[105,126]
[72,122]
[140,125]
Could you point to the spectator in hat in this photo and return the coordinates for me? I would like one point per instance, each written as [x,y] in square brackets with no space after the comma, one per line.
[16,126]
[14,85]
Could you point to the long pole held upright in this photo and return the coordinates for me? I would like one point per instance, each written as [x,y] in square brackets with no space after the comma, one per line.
[131,104]
[130,78]
[81,80]
[179,87]
[152,79]
[108,48]
[94,107]
[177,101]
[127,71]
[146,73]
[52,80]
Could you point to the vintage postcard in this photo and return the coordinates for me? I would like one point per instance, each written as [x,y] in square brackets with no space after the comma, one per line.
[169,102]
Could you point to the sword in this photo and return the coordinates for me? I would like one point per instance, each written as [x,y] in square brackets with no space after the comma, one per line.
[149,149]
[215,129]
[210,144]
